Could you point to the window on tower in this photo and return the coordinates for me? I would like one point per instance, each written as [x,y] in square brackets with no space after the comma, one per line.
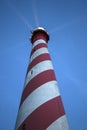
[24,127]
[31,71]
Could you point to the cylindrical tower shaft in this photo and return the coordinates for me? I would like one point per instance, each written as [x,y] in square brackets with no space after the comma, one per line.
[41,107]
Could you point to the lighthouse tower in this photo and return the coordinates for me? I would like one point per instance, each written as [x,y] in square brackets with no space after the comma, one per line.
[41,107]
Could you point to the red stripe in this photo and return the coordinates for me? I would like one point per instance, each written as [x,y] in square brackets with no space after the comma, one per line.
[39,35]
[38,47]
[38,59]
[44,115]
[37,81]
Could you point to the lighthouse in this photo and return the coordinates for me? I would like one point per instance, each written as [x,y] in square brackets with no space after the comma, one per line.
[41,107]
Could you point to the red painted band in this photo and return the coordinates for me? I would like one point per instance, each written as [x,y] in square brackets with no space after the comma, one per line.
[36,82]
[45,115]
[38,36]
[38,59]
[38,47]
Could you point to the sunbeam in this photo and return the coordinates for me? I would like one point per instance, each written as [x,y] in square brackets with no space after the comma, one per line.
[63,26]
[34,8]
[25,21]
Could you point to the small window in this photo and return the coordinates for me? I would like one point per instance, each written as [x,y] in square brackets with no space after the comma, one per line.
[24,127]
[34,49]
[31,71]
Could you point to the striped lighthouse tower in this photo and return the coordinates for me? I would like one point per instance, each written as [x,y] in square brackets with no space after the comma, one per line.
[41,107]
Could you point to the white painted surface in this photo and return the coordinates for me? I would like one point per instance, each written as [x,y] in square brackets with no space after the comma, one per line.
[38,42]
[38,52]
[37,69]
[60,124]
[39,96]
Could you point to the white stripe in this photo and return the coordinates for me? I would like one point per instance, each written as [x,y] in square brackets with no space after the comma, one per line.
[38,97]
[38,42]
[38,68]
[60,124]
[38,52]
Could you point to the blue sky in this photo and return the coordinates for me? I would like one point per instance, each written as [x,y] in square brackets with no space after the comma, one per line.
[66,22]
